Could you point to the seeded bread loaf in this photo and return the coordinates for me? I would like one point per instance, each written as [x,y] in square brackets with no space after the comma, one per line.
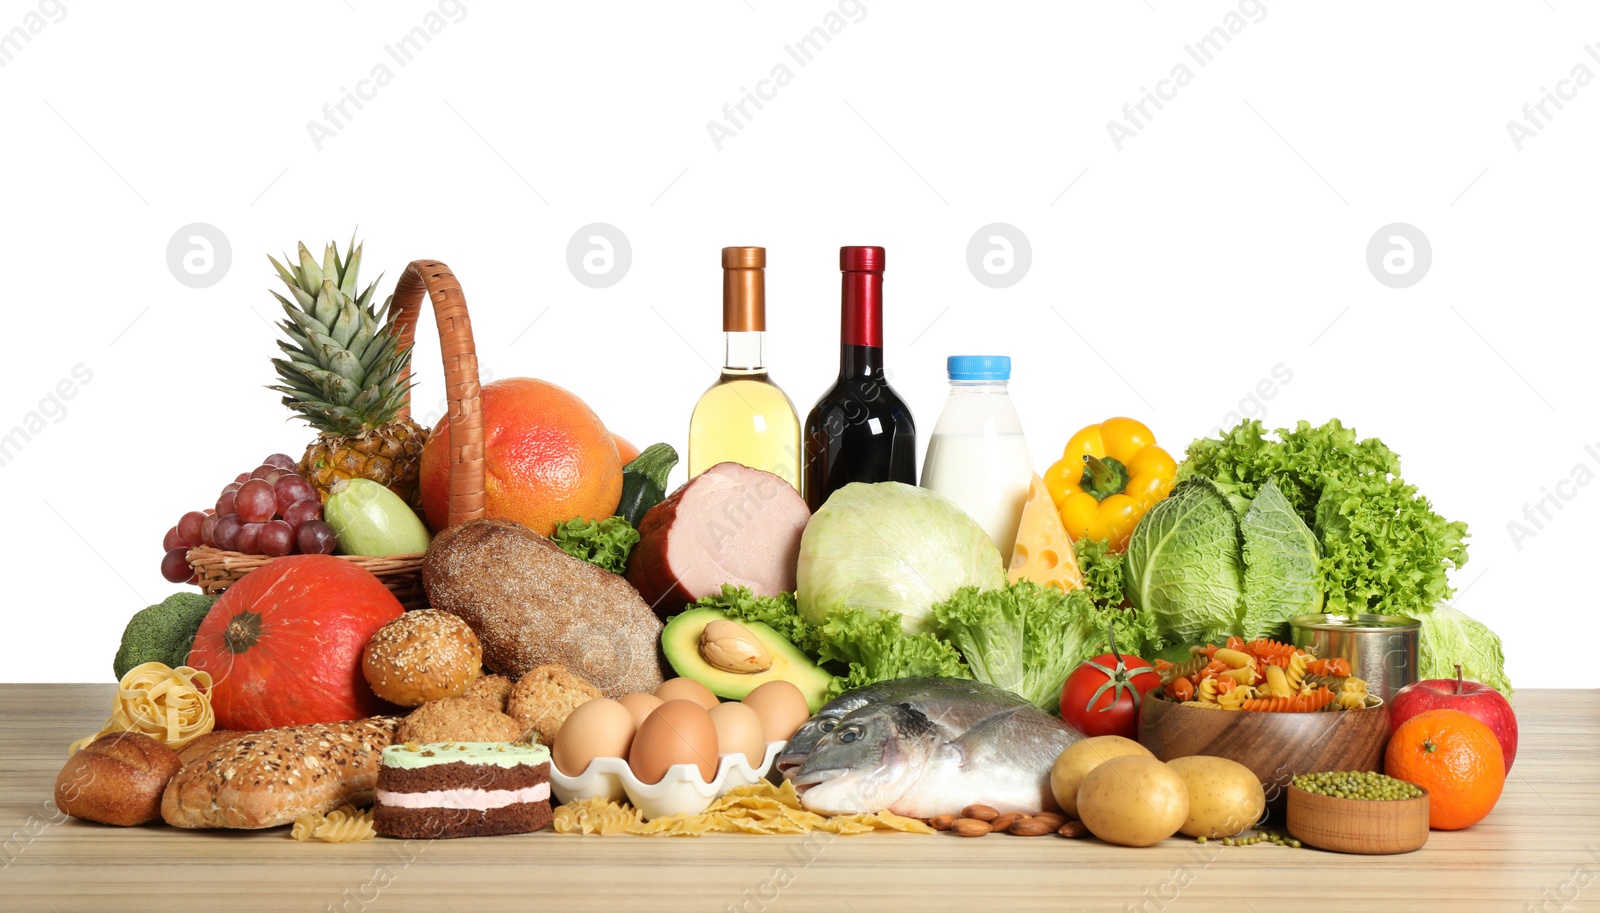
[267,779]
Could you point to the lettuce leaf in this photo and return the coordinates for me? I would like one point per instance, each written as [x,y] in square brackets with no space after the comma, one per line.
[1017,637]
[1103,582]
[603,543]
[1383,548]
[876,648]
[1027,639]
[861,648]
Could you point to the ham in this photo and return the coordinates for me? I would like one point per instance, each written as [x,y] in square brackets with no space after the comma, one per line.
[730,524]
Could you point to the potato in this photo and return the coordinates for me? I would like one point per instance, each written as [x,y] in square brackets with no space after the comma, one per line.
[1225,798]
[1133,801]
[1074,763]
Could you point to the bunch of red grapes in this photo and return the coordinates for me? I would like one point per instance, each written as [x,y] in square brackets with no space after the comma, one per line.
[270,511]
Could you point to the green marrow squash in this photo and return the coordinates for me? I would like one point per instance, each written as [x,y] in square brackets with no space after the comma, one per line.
[644,481]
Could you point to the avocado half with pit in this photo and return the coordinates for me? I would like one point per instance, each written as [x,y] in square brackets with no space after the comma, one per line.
[733,658]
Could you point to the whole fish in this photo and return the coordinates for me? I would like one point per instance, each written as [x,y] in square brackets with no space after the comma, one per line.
[895,756]
[957,702]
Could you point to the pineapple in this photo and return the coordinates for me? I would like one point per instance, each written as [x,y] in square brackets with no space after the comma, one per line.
[342,374]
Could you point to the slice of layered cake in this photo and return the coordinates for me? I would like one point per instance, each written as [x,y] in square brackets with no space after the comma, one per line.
[462,789]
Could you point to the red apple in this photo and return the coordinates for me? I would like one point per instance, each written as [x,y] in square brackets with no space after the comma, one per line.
[1473,698]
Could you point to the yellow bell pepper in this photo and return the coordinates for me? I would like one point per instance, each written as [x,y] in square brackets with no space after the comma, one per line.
[1108,476]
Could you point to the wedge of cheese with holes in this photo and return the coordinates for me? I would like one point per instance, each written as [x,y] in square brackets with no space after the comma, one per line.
[1044,552]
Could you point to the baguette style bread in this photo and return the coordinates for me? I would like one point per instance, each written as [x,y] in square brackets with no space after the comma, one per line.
[117,779]
[270,778]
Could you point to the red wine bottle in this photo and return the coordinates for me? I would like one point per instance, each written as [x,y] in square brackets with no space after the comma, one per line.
[860,430]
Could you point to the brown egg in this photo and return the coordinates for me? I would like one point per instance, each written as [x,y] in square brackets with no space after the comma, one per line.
[687,689]
[782,708]
[739,731]
[640,705]
[678,732]
[599,728]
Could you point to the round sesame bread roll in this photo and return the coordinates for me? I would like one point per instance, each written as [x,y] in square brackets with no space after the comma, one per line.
[422,656]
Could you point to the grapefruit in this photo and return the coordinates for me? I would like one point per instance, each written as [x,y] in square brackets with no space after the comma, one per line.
[625,449]
[547,458]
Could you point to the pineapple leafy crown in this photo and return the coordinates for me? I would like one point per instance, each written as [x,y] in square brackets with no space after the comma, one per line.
[342,364]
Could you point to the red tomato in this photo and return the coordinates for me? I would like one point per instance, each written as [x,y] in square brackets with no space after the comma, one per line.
[1103,695]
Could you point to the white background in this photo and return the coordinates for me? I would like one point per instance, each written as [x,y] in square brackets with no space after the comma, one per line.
[1226,238]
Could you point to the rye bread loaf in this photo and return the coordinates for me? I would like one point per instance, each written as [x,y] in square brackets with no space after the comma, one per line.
[270,778]
[530,603]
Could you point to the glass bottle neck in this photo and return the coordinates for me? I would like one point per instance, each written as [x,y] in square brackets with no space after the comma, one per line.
[860,361]
[744,353]
[861,311]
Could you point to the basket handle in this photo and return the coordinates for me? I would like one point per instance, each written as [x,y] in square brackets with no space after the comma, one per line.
[460,375]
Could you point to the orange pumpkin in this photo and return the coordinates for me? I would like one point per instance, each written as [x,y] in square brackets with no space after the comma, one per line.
[283,645]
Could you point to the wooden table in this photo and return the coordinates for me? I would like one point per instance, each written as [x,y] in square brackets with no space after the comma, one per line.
[1539,850]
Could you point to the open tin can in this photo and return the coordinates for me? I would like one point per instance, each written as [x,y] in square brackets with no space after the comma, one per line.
[1381,649]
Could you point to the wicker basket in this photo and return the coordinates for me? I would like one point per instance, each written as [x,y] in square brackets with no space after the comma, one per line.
[402,574]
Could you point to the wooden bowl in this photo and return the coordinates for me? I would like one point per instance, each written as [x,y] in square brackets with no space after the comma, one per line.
[1277,747]
[1373,827]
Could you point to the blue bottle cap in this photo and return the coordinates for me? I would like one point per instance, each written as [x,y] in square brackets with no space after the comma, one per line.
[979,367]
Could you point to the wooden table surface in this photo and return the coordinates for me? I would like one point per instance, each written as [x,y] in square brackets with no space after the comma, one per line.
[1539,850]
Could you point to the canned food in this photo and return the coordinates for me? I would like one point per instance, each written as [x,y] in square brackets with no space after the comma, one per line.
[1382,649]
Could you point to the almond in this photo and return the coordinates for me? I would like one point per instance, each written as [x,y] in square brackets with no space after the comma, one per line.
[980,812]
[1005,821]
[941,822]
[971,827]
[1073,829]
[1031,827]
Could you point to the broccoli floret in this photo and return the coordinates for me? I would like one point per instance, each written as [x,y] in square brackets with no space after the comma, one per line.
[162,633]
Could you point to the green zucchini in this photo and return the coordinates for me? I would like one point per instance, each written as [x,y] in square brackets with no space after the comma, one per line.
[644,481]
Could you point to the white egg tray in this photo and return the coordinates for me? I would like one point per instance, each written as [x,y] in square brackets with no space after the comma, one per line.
[680,792]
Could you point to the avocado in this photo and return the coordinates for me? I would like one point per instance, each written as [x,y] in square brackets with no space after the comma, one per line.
[681,641]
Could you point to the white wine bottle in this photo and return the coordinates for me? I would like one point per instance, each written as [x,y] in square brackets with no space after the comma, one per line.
[744,417]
